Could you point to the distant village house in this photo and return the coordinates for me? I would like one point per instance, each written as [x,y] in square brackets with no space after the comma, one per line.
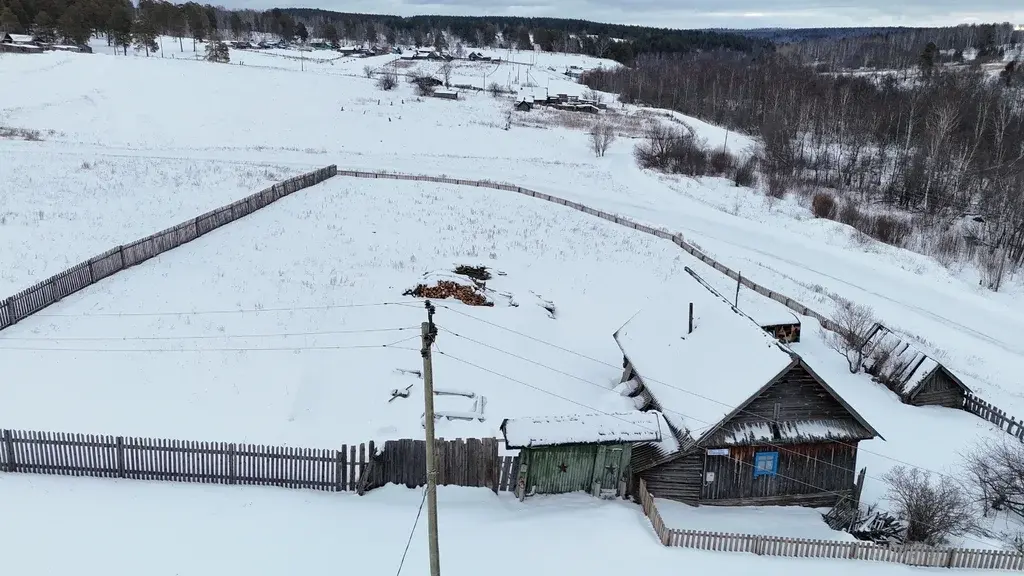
[19,44]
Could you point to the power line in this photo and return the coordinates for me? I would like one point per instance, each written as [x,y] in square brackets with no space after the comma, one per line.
[392,346]
[214,312]
[195,337]
[411,533]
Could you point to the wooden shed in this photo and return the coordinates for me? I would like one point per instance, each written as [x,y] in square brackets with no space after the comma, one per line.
[588,452]
[446,94]
[914,376]
[753,423]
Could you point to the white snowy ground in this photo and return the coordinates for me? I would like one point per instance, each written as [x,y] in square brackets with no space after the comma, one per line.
[782,521]
[58,210]
[595,274]
[171,529]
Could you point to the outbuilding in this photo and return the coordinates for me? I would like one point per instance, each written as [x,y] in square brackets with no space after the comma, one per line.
[753,423]
[572,453]
[914,376]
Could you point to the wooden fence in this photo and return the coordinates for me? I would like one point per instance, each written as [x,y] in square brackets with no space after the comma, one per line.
[1000,418]
[79,276]
[472,462]
[805,548]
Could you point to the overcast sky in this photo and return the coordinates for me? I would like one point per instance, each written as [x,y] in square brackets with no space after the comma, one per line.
[694,13]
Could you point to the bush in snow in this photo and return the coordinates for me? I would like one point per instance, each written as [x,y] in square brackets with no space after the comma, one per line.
[387,81]
[495,89]
[890,229]
[823,206]
[851,325]
[746,173]
[368,71]
[217,51]
[933,510]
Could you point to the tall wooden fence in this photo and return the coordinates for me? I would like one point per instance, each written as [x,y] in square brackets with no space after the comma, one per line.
[469,462]
[806,548]
[973,404]
[79,276]
[472,462]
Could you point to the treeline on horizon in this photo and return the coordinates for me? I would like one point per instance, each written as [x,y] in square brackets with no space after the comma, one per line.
[124,24]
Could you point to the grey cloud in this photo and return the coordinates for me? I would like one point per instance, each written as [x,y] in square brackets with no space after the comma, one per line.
[694,13]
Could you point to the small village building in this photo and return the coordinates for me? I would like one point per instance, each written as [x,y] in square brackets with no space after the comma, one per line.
[446,94]
[915,377]
[573,453]
[19,43]
[753,423]
[525,105]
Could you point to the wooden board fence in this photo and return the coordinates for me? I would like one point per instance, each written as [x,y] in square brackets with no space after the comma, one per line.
[469,462]
[82,275]
[183,461]
[831,549]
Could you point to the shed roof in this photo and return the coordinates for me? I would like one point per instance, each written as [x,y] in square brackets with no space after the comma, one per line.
[582,429]
[702,376]
[20,38]
[893,358]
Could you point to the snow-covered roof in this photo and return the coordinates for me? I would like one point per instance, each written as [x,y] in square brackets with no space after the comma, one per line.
[764,310]
[888,356]
[20,38]
[698,378]
[582,429]
[786,432]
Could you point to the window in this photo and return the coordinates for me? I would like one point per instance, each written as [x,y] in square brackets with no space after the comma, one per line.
[766,463]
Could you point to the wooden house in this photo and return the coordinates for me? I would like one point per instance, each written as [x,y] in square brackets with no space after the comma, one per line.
[525,105]
[19,43]
[753,424]
[589,452]
[914,376]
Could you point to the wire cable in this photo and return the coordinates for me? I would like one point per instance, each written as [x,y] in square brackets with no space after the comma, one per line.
[195,337]
[214,312]
[411,533]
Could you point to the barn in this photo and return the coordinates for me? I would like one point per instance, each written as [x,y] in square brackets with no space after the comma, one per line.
[914,376]
[753,423]
[578,452]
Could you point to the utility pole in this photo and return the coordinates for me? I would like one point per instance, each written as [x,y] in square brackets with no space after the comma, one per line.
[429,334]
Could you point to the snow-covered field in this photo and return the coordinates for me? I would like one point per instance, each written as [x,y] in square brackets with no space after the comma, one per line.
[252,333]
[171,529]
[57,210]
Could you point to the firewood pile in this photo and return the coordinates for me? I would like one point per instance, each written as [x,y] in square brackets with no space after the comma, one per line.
[447,289]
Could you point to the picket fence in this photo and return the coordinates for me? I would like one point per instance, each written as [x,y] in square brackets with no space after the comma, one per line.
[972,403]
[461,462]
[830,549]
[79,276]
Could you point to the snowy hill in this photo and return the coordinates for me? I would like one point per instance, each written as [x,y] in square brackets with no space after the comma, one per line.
[291,326]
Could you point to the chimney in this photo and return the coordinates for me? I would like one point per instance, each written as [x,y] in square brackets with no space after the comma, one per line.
[690,329]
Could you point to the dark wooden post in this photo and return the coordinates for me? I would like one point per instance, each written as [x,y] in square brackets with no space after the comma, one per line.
[341,468]
[12,464]
[232,465]
[690,329]
[120,456]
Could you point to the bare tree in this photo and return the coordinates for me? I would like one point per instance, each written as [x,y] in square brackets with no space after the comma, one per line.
[601,137]
[934,510]
[997,472]
[850,326]
[495,89]
[446,72]
[368,71]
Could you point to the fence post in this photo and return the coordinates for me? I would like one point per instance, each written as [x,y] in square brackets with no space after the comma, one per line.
[232,465]
[12,463]
[950,558]
[759,545]
[120,456]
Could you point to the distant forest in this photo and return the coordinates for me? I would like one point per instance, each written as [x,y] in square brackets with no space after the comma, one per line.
[125,25]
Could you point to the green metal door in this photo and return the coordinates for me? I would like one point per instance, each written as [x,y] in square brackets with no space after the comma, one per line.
[561,469]
[612,468]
